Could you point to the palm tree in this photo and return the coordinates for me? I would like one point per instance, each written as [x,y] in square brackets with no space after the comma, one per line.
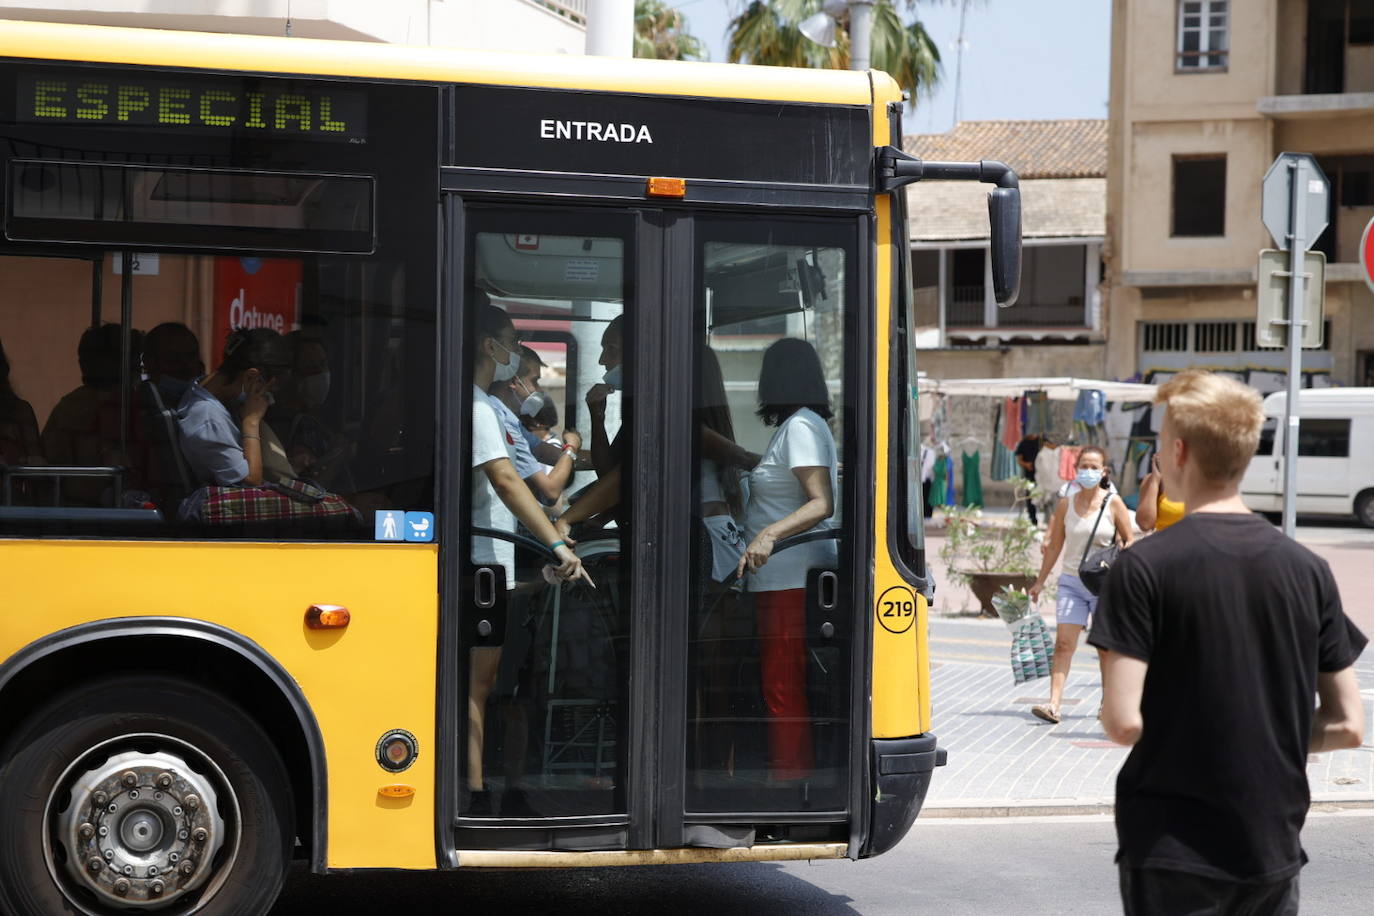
[661,33]
[767,32]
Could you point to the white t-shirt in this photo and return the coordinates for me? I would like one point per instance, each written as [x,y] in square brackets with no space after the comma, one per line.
[490,442]
[803,440]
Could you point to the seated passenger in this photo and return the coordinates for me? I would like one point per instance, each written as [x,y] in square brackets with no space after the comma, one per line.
[223,435]
[316,451]
[19,439]
[171,360]
[83,428]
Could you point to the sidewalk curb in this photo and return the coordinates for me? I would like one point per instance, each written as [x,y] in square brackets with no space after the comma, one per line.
[1008,808]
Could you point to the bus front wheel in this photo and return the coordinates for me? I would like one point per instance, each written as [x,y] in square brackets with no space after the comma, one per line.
[142,794]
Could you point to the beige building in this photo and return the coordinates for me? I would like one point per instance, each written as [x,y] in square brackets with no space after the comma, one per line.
[1204,95]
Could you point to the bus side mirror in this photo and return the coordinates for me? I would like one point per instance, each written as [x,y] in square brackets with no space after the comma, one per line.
[895,169]
[1004,213]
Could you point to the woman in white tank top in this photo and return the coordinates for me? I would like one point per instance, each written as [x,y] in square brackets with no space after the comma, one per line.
[1086,520]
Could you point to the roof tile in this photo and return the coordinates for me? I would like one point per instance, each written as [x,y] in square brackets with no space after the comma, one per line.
[1035,149]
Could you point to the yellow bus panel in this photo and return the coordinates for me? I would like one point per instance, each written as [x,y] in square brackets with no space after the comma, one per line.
[375,675]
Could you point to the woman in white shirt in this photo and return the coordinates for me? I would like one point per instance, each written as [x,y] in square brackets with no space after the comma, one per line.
[1089,518]
[792,490]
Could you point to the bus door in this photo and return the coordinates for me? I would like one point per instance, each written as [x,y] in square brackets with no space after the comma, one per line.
[542,671]
[769,700]
[707,364]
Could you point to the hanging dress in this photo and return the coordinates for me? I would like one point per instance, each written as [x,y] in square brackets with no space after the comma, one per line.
[949,481]
[937,482]
[973,481]
[1003,459]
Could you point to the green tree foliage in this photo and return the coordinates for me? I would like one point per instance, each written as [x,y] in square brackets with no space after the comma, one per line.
[661,33]
[766,32]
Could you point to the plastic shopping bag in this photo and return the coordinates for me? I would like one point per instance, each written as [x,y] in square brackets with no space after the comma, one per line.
[1032,648]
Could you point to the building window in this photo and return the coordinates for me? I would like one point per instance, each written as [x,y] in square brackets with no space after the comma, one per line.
[1164,337]
[1199,196]
[1202,35]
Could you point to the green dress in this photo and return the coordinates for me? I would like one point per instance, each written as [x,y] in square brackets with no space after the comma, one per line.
[973,481]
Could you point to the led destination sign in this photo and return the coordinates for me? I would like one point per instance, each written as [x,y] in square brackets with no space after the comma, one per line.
[239,107]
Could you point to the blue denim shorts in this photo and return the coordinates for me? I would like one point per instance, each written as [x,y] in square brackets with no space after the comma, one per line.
[1073,602]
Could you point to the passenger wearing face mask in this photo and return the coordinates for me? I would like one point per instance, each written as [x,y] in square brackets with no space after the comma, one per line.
[524,399]
[224,437]
[317,452]
[171,360]
[547,488]
[604,457]
[1088,519]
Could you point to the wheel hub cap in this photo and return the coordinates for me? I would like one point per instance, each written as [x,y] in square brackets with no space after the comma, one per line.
[141,829]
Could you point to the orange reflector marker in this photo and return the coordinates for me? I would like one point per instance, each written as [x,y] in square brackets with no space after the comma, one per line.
[397,790]
[327,617]
[667,187]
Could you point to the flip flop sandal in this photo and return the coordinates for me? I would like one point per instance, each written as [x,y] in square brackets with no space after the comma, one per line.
[1046,712]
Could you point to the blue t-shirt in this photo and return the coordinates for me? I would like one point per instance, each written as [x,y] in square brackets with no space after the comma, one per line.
[210,439]
[525,462]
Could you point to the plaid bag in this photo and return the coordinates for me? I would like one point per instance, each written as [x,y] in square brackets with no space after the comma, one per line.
[1032,647]
[290,500]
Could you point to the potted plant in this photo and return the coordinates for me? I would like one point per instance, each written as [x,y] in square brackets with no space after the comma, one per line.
[986,554]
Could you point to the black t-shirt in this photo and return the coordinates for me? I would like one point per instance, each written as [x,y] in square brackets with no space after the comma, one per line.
[1026,450]
[1236,621]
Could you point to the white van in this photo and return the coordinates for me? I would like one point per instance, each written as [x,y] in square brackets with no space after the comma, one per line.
[1335,455]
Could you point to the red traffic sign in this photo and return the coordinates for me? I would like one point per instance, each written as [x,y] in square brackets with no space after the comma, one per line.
[1367,255]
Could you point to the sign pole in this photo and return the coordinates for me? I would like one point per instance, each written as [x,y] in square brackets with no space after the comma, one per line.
[1296,252]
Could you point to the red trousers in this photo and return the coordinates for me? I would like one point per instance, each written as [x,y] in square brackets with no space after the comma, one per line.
[782,650]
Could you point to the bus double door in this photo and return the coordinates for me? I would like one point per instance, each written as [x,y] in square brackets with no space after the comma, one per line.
[706,361]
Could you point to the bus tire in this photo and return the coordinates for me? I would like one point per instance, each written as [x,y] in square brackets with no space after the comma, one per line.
[178,790]
[1364,508]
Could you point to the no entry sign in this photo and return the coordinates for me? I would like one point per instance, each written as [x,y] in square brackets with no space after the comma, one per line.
[1367,255]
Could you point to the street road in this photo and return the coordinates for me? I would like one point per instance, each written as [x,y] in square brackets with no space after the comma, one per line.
[967,867]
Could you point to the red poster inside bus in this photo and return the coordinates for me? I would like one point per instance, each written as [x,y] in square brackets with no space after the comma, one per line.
[254,293]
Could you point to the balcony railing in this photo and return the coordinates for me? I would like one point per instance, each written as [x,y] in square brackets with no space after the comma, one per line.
[572,10]
[966,307]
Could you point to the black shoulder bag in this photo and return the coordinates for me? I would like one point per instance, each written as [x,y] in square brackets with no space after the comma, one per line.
[1093,568]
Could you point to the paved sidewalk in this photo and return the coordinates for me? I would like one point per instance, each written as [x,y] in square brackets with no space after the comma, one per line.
[1003,760]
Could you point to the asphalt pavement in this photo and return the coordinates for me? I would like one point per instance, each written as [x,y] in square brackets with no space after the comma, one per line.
[971,867]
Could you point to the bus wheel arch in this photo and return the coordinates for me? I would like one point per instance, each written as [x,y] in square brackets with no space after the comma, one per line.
[199,653]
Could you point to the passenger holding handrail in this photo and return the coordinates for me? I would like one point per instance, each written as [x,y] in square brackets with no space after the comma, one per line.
[791,491]
[499,497]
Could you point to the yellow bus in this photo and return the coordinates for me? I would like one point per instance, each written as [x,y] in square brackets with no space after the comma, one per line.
[294,331]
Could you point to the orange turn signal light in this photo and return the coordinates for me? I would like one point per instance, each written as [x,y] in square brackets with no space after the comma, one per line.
[667,187]
[327,617]
[397,790]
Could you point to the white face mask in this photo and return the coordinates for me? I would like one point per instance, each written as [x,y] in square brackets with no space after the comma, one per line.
[534,403]
[1088,477]
[615,377]
[506,371]
[314,389]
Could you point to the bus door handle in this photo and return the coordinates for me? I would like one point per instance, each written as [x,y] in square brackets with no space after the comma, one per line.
[484,588]
[828,590]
